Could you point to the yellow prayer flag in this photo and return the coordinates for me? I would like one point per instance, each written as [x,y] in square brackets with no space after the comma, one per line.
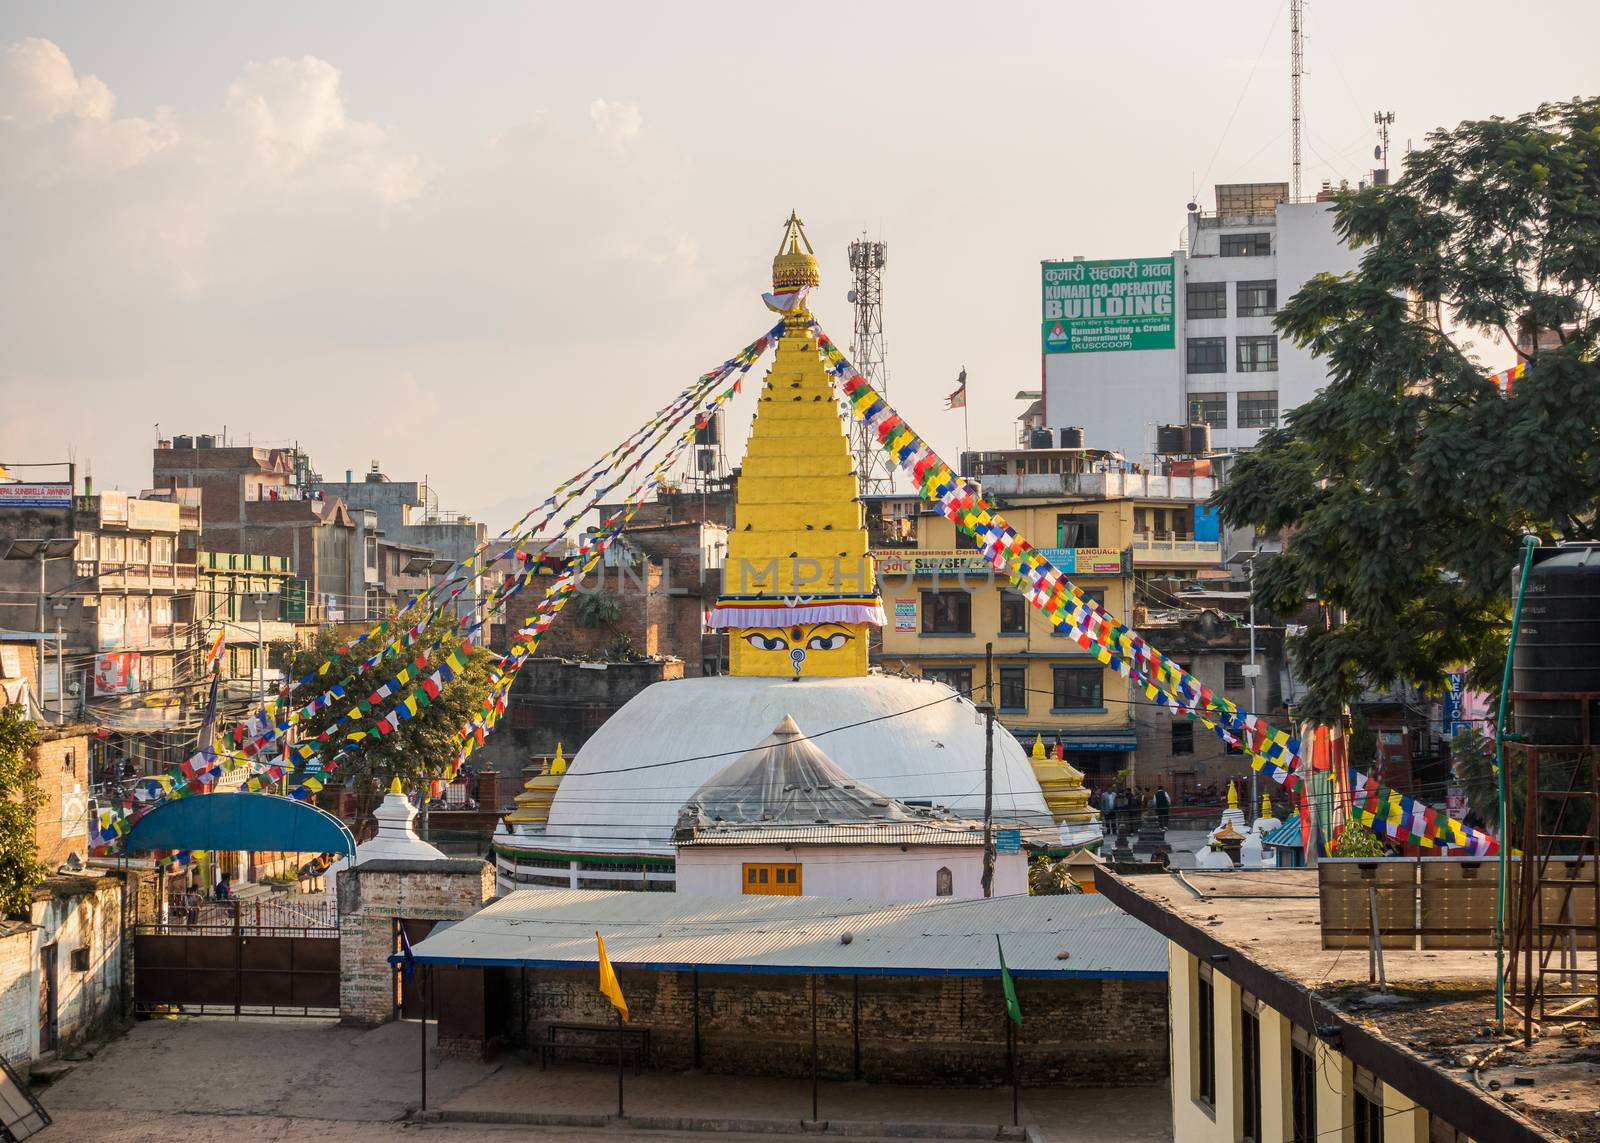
[609,988]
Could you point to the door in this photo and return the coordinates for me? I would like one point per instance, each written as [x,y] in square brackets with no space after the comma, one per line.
[772,880]
[47,999]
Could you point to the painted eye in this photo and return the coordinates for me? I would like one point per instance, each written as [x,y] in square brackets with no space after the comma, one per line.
[766,642]
[828,642]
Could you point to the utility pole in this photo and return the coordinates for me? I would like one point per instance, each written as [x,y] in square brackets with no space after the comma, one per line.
[1255,793]
[987,710]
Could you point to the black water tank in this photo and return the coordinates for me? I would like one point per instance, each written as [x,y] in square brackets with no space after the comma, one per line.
[1558,644]
[1197,439]
[182,441]
[1072,436]
[1171,439]
[1041,438]
[709,433]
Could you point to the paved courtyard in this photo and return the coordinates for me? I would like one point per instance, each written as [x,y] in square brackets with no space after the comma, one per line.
[191,1080]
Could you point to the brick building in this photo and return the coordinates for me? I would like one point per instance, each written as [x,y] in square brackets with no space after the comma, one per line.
[260,501]
[61,755]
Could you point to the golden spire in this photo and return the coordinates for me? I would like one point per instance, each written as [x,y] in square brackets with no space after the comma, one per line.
[558,764]
[799,587]
[796,261]
[1266,806]
[394,785]
[1233,796]
[1038,746]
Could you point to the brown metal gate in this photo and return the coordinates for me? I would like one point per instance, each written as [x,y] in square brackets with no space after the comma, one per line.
[277,958]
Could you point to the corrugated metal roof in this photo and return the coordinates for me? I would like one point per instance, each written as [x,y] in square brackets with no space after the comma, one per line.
[1288,834]
[555,928]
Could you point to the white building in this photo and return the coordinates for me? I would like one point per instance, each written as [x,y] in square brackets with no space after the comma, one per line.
[1208,351]
[782,820]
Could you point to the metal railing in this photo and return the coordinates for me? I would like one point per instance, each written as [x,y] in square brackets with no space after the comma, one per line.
[192,915]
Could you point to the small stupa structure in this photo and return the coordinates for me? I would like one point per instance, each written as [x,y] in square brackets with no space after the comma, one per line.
[1231,816]
[396,839]
[538,792]
[1066,795]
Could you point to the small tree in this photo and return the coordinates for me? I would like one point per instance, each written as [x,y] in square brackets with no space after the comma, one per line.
[422,747]
[20,799]
[1352,840]
[1048,878]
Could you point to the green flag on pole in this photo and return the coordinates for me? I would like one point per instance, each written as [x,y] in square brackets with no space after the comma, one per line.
[1013,1009]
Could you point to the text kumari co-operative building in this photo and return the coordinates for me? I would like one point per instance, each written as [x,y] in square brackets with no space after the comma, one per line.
[799,598]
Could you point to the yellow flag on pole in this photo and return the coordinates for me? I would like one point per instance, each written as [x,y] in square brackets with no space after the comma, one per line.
[609,988]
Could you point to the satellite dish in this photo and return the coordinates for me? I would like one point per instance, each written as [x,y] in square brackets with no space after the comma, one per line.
[1193,207]
[850,297]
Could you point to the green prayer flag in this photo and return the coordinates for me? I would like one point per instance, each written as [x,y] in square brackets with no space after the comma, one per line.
[1013,1009]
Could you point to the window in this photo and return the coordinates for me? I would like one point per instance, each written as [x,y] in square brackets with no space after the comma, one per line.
[1368,1107]
[1250,1068]
[1258,354]
[1096,595]
[1207,300]
[947,613]
[1078,688]
[1246,245]
[965,542]
[372,553]
[1077,530]
[1205,1071]
[1232,674]
[1207,354]
[1182,736]
[1013,613]
[1258,299]
[1258,410]
[944,883]
[1303,1088]
[956,678]
[769,880]
[1014,689]
[1209,409]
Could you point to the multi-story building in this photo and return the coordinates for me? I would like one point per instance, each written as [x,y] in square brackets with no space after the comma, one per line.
[945,605]
[253,600]
[405,512]
[1133,344]
[263,501]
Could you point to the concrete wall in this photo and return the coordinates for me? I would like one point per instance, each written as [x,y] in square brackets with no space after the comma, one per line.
[376,894]
[865,872]
[68,913]
[1194,1121]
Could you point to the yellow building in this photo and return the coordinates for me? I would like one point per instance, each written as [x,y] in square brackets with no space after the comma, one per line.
[944,605]
[1278,1037]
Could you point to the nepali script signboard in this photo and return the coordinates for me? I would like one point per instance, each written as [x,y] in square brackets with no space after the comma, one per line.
[1100,307]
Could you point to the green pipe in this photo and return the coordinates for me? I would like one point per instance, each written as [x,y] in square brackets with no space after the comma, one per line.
[1528,544]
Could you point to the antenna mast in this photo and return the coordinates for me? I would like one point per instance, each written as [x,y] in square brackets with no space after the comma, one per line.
[1297,67]
[867,260]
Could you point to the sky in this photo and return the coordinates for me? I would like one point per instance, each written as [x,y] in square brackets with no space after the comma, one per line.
[482,243]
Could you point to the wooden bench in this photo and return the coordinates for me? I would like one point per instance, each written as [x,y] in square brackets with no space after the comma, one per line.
[594,1041]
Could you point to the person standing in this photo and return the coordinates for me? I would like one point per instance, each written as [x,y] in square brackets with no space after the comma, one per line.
[1162,801]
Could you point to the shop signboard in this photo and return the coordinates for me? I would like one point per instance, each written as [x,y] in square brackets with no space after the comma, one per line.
[1109,306]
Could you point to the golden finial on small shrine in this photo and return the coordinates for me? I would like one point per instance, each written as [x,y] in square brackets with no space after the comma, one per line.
[1233,796]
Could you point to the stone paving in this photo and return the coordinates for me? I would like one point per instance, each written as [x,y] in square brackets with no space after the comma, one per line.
[198,1079]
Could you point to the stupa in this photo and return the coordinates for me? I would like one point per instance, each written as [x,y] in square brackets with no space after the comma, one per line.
[533,804]
[799,597]
[1065,795]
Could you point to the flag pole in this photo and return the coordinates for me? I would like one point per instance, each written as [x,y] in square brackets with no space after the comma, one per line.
[423,1023]
[1016,1073]
[619,1062]
[813,1047]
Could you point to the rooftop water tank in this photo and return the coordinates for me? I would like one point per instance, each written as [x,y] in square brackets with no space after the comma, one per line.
[1197,439]
[1072,436]
[1171,438]
[1041,438]
[1558,646]
[182,441]
[205,440]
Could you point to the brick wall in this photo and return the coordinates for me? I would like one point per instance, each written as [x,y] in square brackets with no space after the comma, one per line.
[372,897]
[912,1029]
[62,826]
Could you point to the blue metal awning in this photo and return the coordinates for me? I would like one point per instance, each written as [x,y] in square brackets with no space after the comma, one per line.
[1115,741]
[254,822]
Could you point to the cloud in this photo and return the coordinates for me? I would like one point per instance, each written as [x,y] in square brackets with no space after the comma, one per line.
[614,122]
[280,263]
[56,125]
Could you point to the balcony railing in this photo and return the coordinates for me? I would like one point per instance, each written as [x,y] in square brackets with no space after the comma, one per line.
[1172,548]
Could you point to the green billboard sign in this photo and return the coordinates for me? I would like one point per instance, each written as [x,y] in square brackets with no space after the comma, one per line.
[1099,307]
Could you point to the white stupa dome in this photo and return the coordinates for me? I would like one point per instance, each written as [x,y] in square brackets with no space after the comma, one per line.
[915,740]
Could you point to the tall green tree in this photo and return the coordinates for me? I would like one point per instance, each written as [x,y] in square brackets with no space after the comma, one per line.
[423,746]
[1405,486]
[20,799]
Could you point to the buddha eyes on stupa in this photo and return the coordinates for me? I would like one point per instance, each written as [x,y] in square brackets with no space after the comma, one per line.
[827,642]
[766,642]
